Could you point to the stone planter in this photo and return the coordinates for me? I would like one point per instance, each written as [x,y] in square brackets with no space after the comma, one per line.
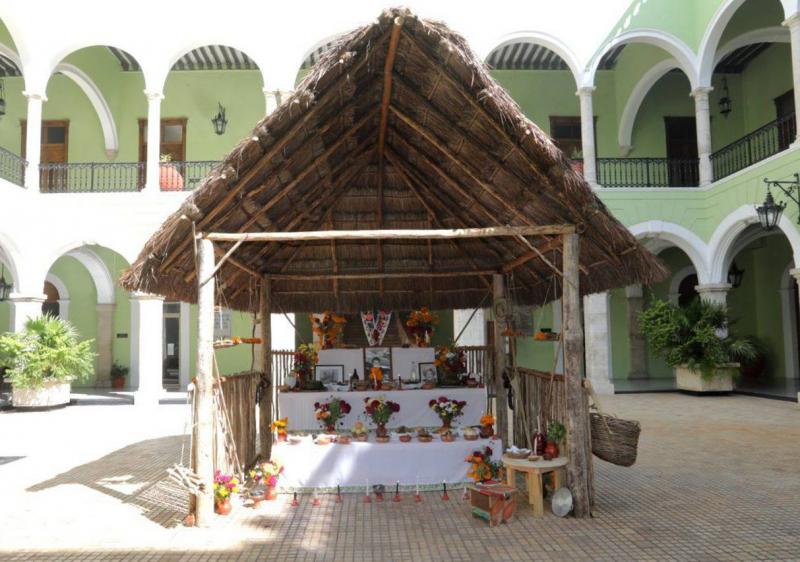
[45,396]
[694,381]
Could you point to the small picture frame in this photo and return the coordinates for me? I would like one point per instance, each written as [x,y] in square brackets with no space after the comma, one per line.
[378,357]
[329,374]
[428,372]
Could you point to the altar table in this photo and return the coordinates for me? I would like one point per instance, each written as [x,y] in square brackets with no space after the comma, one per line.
[414,409]
[323,467]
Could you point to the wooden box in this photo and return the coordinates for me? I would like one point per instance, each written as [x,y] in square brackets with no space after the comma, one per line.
[494,503]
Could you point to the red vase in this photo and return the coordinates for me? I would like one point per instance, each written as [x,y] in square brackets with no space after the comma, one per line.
[381,431]
[330,428]
[487,431]
[271,493]
[222,507]
[551,449]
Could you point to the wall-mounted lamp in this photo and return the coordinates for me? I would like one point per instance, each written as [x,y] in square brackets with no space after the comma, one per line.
[725,100]
[735,276]
[219,120]
[769,212]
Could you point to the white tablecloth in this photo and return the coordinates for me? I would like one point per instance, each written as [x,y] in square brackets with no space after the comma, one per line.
[350,466]
[414,409]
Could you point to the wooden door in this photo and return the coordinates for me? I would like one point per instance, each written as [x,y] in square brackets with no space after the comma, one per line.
[54,150]
[173,141]
[784,113]
[682,166]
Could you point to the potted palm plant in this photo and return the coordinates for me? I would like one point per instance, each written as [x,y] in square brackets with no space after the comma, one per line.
[43,360]
[695,340]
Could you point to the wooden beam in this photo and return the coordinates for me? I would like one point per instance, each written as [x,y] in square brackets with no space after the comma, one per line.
[552,244]
[391,234]
[579,466]
[334,259]
[500,393]
[377,292]
[265,405]
[376,275]
[204,399]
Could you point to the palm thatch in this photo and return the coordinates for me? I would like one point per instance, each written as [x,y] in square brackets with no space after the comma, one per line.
[399,126]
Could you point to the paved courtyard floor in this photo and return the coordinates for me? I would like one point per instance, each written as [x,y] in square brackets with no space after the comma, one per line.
[717,478]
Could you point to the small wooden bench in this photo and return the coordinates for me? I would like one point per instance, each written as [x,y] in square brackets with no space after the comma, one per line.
[493,502]
[533,471]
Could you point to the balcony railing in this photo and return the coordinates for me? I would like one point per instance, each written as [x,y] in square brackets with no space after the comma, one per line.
[95,177]
[647,172]
[754,147]
[184,176]
[12,167]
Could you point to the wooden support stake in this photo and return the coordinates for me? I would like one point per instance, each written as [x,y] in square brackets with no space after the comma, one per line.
[501,413]
[265,404]
[204,410]
[579,467]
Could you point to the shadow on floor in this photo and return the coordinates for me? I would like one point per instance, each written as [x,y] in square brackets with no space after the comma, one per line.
[136,475]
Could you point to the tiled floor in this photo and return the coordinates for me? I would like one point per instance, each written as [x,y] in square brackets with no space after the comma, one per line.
[718,478]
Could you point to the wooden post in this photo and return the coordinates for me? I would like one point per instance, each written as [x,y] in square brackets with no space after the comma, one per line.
[501,401]
[579,467]
[265,404]
[204,399]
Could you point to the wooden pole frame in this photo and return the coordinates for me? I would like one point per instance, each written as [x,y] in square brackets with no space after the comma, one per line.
[501,403]
[265,405]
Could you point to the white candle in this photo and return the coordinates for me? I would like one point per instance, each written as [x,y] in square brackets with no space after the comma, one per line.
[366,490]
[417,484]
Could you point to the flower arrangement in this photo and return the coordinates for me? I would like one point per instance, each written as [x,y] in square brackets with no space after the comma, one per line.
[279,427]
[380,411]
[328,328]
[482,467]
[331,412]
[487,425]
[451,361]
[225,486]
[447,409]
[267,472]
[304,360]
[421,324]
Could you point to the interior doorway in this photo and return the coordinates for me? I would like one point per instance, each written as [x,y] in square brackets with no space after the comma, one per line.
[784,113]
[51,304]
[54,150]
[172,339]
[682,165]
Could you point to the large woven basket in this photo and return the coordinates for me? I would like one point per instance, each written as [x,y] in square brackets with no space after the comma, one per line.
[615,440]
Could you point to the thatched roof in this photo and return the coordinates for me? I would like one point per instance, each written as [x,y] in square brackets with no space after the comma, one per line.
[454,151]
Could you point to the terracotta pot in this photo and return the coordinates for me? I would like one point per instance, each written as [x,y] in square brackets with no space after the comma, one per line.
[118,382]
[222,507]
[170,179]
[381,431]
[330,428]
[405,437]
[271,493]
[280,437]
[487,431]
[343,440]
[551,449]
[446,426]
[362,437]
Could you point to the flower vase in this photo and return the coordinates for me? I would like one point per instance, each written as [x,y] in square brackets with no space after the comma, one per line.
[381,431]
[446,426]
[487,431]
[271,493]
[330,428]
[281,437]
[222,507]
[551,449]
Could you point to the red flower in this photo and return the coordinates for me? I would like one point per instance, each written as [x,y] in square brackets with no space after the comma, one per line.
[442,399]
[431,403]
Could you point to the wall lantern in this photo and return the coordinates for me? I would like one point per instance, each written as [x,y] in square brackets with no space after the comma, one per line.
[769,212]
[725,100]
[219,120]
[5,286]
[735,276]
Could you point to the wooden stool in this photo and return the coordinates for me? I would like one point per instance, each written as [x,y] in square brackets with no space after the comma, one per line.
[533,471]
[493,502]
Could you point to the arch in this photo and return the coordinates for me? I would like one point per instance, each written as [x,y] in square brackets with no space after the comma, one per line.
[727,233]
[98,271]
[61,287]
[660,235]
[637,97]
[790,308]
[318,47]
[677,279]
[545,40]
[11,258]
[685,57]
[179,54]
[775,34]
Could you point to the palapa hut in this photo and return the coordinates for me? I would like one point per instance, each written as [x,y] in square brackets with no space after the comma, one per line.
[399,126]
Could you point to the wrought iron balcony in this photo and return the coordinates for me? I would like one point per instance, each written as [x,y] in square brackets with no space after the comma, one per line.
[184,176]
[91,177]
[762,143]
[647,172]
[12,167]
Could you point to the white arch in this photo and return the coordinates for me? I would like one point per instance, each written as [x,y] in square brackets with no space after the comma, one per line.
[98,271]
[635,100]
[11,258]
[677,279]
[685,57]
[61,287]
[775,34]
[545,40]
[98,102]
[662,234]
[321,43]
[727,233]
[161,77]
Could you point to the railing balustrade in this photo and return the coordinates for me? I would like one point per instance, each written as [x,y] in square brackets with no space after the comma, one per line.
[647,172]
[91,177]
[758,145]
[184,175]
[12,167]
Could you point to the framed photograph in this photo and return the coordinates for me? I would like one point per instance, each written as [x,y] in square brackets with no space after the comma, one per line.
[378,357]
[329,374]
[428,372]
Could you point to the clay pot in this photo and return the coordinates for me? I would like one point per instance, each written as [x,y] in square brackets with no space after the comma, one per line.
[330,428]
[222,507]
[446,426]
[170,179]
[363,437]
[118,383]
[343,440]
[271,493]
[405,437]
[551,449]
[381,431]
[487,431]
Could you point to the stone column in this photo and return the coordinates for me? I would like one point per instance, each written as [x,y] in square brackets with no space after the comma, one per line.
[271,100]
[152,182]
[104,343]
[147,343]
[33,139]
[717,293]
[638,349]
[793,23]
[703,122]
[587,135]
[597,321]
[23,307]
[185,347]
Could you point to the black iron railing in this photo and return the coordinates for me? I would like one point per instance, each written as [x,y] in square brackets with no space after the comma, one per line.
[647,172]
[94,177]
[184,176]
[762,143]
[12,167]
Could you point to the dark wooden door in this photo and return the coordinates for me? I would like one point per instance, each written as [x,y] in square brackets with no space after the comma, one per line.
[173,141]
[784,113]
[682,167]
[54,150]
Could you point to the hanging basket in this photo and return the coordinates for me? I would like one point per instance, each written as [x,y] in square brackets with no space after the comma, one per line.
[615,440]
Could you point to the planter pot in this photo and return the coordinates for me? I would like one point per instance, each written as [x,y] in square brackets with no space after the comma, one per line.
[170,179]
[271,493]
[551,450]
[118,383]
[48,395]
[222,507]
[694,381]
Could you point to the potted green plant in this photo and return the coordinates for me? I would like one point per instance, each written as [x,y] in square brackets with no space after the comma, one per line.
[695,340]
[42,361]
[555,435]
[118,375]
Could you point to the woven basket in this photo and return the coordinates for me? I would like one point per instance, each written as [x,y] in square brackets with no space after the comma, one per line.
[615,440]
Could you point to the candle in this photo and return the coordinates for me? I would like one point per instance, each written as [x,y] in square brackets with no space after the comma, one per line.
[417,486]
[397,488]
[366,489]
